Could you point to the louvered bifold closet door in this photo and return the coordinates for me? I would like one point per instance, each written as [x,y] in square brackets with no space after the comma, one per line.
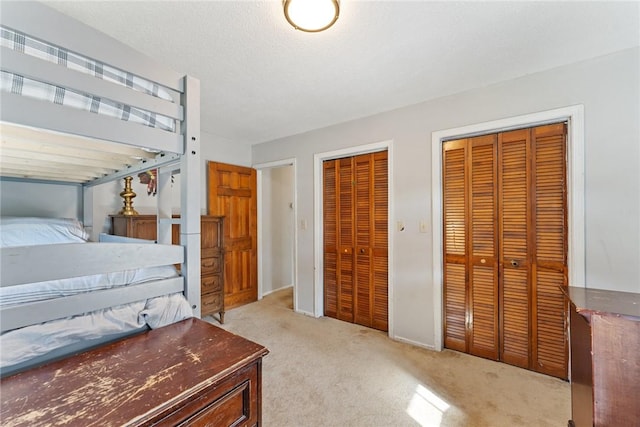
[505,247]
[338,212]
[330,237]
[355,209]
[471,250]
[455,244]
[371,223]
[363,255]
[549,271]
[514,189]
[379,241]
[483,247]
[346,212]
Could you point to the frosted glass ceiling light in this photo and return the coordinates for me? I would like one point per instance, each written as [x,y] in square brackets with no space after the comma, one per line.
[311,15]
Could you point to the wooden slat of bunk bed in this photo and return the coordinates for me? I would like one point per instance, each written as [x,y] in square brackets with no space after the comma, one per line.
[81,259]
[48,72]
[190,372]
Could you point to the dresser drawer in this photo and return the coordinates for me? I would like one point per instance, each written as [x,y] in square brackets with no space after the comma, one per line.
[211,303]
[210,265]
[210,252]
[210,284]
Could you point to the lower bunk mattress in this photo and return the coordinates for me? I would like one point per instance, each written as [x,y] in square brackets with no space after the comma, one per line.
[33,345]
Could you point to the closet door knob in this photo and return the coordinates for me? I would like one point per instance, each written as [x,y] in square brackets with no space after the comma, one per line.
[514,263]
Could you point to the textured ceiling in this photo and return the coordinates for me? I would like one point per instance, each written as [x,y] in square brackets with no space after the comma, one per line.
[261,79]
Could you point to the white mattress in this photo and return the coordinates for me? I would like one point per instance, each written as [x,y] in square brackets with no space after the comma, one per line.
[20,345]
[38,342]
[40,291]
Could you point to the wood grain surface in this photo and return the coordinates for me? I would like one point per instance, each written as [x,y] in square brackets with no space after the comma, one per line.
[136,381]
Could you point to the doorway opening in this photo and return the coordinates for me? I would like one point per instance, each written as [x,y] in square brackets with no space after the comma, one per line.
[277,234]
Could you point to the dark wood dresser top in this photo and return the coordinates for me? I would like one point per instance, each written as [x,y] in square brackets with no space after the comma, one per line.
[127,382]
[604,301]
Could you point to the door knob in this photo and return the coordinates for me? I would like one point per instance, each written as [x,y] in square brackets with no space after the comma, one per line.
[514,263]
[362,250]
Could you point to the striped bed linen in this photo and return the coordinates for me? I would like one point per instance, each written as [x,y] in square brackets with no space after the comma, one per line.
[14,83]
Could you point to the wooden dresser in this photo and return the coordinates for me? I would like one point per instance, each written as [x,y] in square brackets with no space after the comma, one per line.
[605,357]
[212,264]
[189,373]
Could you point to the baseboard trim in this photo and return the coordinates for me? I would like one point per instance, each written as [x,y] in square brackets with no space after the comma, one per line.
[414,343]
[307,313]
[276,290]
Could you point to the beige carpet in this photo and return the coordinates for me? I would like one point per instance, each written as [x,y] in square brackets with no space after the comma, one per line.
[324,372]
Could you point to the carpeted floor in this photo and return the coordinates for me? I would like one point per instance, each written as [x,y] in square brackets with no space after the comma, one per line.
[324,372]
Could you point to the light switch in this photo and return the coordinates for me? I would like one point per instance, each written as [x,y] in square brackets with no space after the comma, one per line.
[424,227]
[303,224]
[400,225]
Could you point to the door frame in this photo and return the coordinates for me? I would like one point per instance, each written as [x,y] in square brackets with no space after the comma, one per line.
[259,186]
[574,115]
[318,220]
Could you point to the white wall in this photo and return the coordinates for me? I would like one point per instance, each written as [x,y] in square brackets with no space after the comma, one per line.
[41,199]
[277,228]
[44,200]
[609,89]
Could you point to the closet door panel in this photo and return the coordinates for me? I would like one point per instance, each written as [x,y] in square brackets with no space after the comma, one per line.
[330,210]
[550,353]
[379,239]
[483,260]
[455,244]
[346,243]
[363,239]
[513,198]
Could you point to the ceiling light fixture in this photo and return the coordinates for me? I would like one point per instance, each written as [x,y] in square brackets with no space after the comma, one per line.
[311,16]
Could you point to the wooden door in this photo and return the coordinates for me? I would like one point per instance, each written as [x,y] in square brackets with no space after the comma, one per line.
[355,239]
[514,191]
[549,241]
[232,194]
[505,246]
[470,249]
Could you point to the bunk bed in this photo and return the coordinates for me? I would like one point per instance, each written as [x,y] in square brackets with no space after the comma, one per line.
[121,113]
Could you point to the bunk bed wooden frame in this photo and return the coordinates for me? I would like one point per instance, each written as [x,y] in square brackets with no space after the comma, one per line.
[185,373]
[177,150]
